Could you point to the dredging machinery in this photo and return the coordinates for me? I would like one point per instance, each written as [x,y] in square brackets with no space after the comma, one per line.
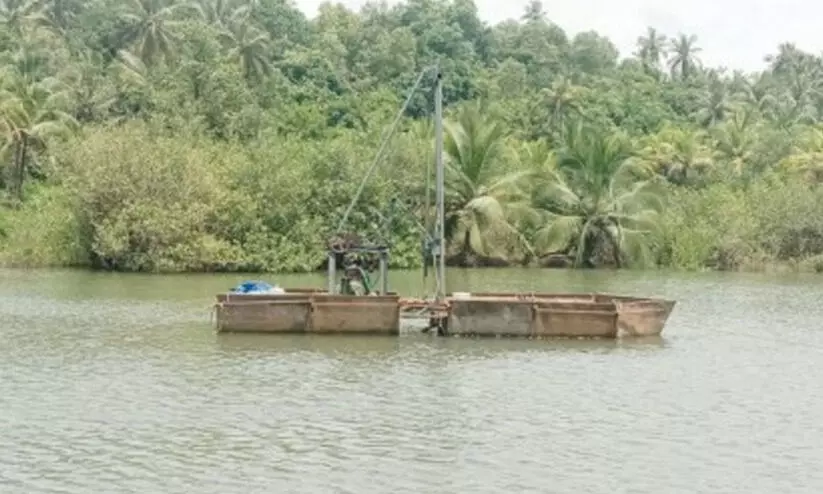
[351,303]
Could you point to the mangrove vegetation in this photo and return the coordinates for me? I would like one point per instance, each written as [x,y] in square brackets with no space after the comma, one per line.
[204,135]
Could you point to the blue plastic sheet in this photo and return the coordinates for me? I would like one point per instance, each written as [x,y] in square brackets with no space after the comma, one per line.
[255,287]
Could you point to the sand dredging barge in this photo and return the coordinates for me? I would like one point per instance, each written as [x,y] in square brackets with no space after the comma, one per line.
[350,305]
[477,314]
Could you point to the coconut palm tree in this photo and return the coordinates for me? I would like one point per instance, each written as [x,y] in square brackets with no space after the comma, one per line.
[736,139]
[651,49]
[58,16]
[535,155]
[30,112]
[221,13]
[91,95]
[806,157]
[150,28]
[249,44]
[754,91]
[788,59]
[597,201]
[715,103]
[677,153]
[684,59]
[477,195]
[563,101]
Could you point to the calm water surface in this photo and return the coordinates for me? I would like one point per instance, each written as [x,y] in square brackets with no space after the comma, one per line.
[113,383]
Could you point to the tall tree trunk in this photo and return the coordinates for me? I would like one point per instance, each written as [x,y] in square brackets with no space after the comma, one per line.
[21,164]
[684,174]
[14,172]
[617,253]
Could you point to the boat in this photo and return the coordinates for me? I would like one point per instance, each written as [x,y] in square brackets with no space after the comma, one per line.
[340,309]
[316,310]
[533,315]
[545,315]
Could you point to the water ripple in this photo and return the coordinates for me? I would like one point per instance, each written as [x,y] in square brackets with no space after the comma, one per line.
[119,395]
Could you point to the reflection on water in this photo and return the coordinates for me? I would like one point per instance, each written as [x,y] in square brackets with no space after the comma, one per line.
[116,383]
[358,346]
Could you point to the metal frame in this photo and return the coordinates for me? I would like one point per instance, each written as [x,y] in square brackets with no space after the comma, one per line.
[382,251]
[440,227]
[438,241]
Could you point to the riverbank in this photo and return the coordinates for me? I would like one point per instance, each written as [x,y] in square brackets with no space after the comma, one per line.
[771,224]
[811,265]
[64,251]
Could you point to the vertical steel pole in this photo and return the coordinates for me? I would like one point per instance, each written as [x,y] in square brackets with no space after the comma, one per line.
[384,273]
[441,223]
[332,275]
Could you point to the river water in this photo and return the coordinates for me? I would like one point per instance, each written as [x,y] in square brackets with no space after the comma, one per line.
[117,383]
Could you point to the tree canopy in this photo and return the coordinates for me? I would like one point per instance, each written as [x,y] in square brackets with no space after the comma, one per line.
[232,134]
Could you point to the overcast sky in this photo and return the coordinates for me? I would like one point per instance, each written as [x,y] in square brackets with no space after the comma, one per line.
[733,33]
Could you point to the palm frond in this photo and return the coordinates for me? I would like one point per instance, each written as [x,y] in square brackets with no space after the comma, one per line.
[558,233]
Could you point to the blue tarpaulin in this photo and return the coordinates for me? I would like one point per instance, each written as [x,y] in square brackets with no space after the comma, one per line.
[255,287]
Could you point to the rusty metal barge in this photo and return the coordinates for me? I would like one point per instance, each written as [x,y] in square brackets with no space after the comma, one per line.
[581,315]
[336,310]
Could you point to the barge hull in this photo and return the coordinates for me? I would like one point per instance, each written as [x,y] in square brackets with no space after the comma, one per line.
[533,315]
[567,315]
[351,314]
[286,313]
[308,312]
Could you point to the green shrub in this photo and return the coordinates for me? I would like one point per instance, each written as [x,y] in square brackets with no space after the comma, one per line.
[772,220]
[711,227]
[143,200]
[43,232]
[150,202]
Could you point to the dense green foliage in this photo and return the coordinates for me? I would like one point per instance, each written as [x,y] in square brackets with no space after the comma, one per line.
[231,135]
